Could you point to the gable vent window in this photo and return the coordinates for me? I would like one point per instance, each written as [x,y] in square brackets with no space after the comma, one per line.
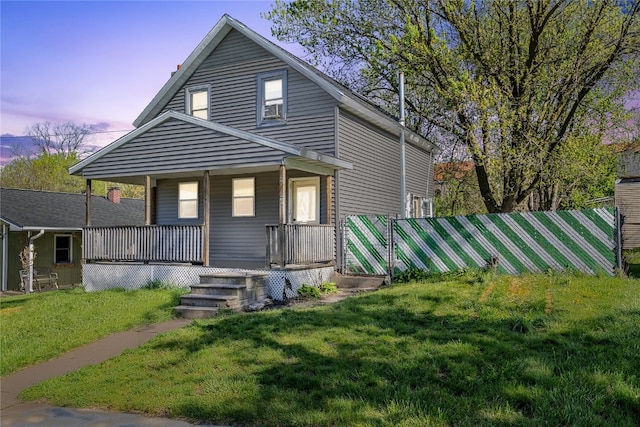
[197,102]
[188,200]
[272,97]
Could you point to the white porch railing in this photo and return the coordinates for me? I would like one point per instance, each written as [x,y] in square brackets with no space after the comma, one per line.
[151,243]
[300,243]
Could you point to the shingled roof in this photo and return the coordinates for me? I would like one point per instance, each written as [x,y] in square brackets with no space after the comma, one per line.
[37,210]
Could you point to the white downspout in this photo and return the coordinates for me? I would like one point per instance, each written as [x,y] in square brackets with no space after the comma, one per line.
[31,239]
[5,255]
[403,173]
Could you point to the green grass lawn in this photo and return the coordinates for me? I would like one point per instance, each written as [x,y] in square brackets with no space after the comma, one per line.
[41,326]
[470,351]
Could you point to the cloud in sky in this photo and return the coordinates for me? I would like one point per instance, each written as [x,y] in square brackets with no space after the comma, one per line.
[100,62]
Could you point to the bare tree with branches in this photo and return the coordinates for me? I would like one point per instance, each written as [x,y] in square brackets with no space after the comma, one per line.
[60,138]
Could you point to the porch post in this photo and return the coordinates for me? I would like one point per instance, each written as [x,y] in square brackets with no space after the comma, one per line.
[329,198]
[88,207]
[282,189]
[206,188]
[147,200]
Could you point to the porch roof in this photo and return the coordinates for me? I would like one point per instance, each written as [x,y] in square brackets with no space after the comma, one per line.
[263,153]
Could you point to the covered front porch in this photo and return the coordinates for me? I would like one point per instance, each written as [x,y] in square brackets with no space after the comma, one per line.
[287,245]
[216,196]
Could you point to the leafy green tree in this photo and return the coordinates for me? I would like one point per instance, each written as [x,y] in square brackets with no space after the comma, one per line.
[58,146]
[456,189]
[48,172]
[514,82]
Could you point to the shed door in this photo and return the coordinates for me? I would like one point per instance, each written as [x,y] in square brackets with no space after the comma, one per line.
[305,200]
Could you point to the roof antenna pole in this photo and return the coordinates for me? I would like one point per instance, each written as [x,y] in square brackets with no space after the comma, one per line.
[403,174]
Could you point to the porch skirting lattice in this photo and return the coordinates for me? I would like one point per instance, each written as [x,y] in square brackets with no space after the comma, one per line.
[130,276]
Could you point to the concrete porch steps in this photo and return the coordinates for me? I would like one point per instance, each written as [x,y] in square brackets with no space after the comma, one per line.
[193,312]
[234,291]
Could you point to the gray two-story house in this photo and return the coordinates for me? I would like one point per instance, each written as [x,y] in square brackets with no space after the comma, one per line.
[262,154]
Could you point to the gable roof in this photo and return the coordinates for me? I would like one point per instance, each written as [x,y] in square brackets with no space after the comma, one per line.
[48,210]
[349,100]
[310,157]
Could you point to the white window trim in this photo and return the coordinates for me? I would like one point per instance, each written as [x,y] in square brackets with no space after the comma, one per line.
[197,200]
[234,197]
[261,78]
[316,180]
[187,98]
[55,248]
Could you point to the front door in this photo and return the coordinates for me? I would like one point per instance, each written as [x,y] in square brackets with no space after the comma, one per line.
[305,200]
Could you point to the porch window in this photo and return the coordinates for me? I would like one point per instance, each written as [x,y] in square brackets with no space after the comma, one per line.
[244,197]
[188,200]
[197,101]
[62,250]
[272,97]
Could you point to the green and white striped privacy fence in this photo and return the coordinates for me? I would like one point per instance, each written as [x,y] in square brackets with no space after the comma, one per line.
[533,241]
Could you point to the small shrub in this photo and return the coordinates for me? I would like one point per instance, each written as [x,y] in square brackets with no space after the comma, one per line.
[308,291]
[468,275]
[157,284]
[328,288]
[412,275]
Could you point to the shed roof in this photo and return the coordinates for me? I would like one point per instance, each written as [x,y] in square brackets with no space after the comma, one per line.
[37,210]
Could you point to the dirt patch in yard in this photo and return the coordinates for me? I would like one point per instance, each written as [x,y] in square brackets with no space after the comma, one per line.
[312,302]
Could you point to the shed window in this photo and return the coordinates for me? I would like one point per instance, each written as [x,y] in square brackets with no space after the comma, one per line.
[272,97]
[197,101]
[244,197]
[188,200]
[62,249]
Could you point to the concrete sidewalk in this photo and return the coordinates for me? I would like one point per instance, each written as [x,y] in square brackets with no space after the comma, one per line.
[15,413]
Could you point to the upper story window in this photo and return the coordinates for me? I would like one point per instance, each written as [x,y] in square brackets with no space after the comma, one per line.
[244,196]
[272,97]
[197,101]
[188,200]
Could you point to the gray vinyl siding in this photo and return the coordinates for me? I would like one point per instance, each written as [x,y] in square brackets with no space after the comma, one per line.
[419,171]
[167,202]
[373,185]
[232,70]
[241,238]
[232,238]
[177,146]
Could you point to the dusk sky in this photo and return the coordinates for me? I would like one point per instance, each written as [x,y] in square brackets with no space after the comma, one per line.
[100,62]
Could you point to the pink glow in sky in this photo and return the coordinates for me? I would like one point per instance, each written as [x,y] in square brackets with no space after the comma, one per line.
[100,62]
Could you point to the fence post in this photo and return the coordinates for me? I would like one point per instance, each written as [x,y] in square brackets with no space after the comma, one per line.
[344,242]
[618,240]
[391,250]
